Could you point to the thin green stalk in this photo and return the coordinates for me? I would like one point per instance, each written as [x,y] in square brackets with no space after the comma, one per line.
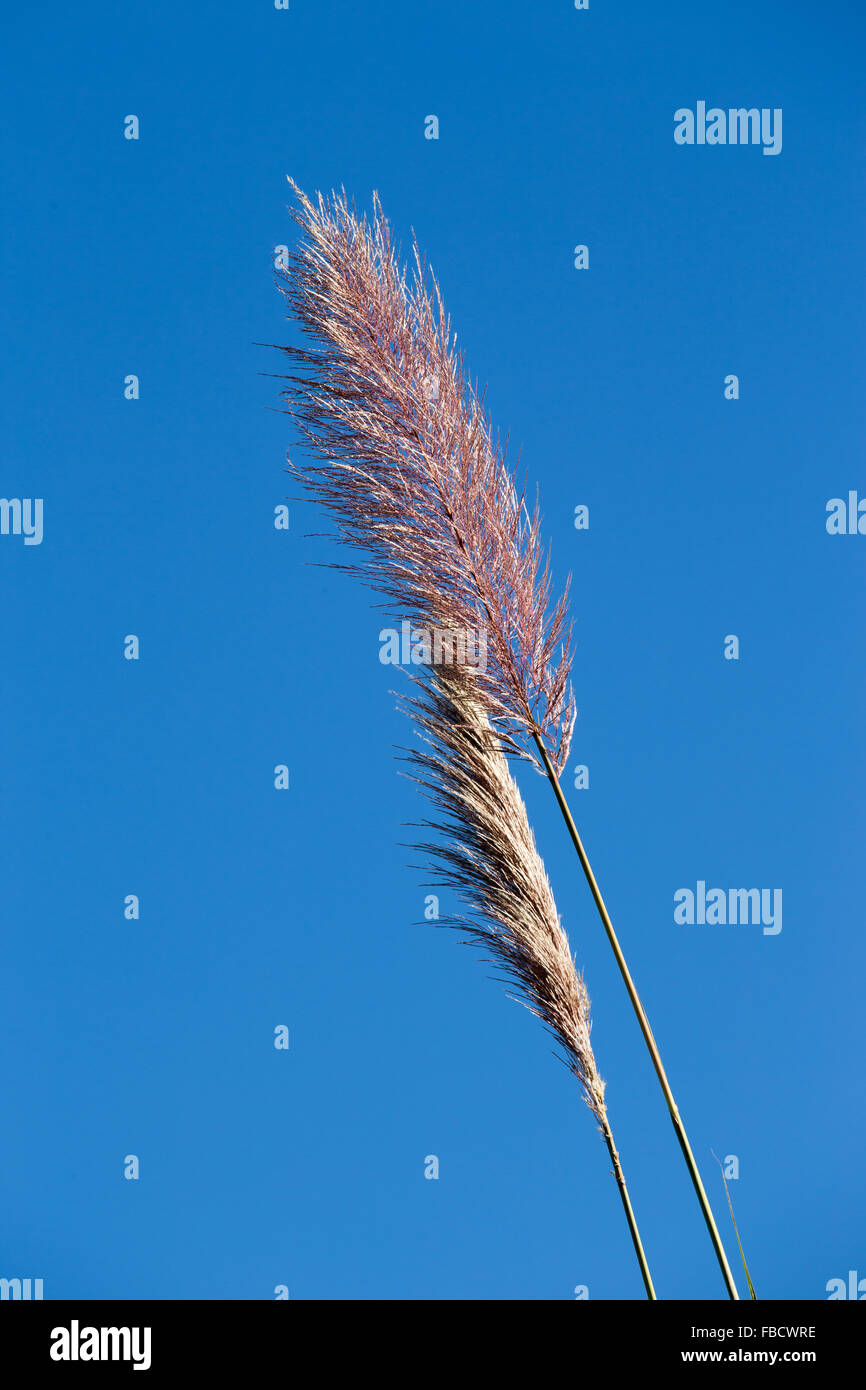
[650,1041]
[752,1293]
[627,1207]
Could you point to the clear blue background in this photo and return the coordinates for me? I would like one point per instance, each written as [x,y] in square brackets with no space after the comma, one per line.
[260,907]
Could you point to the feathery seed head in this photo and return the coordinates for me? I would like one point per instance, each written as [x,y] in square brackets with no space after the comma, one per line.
[410,470]
[486,852]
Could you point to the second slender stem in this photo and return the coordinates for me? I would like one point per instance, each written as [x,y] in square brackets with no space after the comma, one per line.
[627,1207]
[642,1019]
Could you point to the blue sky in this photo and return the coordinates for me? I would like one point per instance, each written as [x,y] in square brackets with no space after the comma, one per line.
[154,777]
